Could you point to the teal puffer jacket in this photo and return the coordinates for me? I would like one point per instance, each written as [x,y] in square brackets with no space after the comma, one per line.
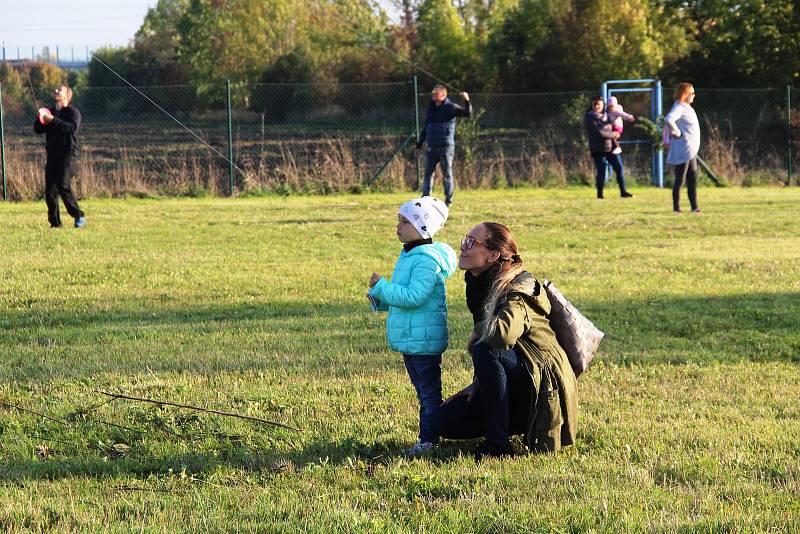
[416,299]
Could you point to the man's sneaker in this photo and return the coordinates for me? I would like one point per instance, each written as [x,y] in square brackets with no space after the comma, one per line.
[80,222]
[420,448]
[625,194]
[696,210]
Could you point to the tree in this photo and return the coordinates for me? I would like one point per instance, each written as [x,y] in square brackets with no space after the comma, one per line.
[238,39]
[11,80]
[118,60]
[739,44]
[517,42]
[154,60]
[46,76]
[569,44]
[445,48]
[618,39]
[14,95]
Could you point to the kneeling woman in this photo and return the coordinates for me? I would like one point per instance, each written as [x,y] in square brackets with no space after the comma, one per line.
[523,382]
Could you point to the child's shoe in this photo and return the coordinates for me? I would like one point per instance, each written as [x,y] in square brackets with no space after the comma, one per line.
[420,448]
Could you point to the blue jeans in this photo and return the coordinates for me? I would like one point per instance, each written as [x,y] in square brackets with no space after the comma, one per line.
[501,406]
[425,372]
[443,155]
[615,160]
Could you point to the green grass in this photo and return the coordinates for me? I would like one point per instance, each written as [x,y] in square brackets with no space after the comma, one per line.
[690,420]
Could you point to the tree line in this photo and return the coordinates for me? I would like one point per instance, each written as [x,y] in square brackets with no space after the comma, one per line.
[480,45]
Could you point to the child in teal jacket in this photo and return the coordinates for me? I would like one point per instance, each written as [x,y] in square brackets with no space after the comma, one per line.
[416,301]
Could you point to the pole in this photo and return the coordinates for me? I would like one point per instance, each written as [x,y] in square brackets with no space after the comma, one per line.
[789,137]
[709,172]
[659,109]
[390,158]
[3,147]
[604,94]
[230,138]
[416,128]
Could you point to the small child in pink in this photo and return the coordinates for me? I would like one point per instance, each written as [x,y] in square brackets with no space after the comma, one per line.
[616,115]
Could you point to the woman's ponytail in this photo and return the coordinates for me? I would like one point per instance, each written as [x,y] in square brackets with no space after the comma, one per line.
[502,241]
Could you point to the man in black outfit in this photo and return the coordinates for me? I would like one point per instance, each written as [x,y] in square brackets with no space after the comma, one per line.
[60,127]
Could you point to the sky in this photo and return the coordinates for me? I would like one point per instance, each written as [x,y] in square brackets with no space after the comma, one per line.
[73,25]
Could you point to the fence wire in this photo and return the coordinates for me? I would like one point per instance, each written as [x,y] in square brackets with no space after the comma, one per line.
[322,138]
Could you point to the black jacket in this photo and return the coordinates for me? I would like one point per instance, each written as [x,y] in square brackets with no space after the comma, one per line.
[440,123]
[598,128]
[61,142]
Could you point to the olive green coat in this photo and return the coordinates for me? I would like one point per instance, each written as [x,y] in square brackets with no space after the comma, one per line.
[523,323]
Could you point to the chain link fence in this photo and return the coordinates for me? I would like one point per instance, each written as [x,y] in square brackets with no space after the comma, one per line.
[323,138]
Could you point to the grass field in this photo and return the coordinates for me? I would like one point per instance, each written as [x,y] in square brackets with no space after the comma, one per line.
[690,417]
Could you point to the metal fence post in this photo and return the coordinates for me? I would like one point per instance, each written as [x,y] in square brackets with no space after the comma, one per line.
[230,137]
[3,147]
[416,128]
[604,96]
[659,112]
[789,135]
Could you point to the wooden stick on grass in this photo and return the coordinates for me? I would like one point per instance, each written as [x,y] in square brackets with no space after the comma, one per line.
[21,409]
[198,408]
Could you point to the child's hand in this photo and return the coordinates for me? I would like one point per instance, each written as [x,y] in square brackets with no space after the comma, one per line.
[374,279]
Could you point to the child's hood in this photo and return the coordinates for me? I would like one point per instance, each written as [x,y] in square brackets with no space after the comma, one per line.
[441,253]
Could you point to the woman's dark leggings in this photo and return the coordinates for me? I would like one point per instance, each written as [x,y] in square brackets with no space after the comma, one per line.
[615,160]
[689,171]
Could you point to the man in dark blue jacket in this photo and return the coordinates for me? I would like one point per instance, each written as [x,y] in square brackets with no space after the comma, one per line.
[60,126]
[439,132]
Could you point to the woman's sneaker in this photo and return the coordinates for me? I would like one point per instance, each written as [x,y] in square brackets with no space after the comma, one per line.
[420,448]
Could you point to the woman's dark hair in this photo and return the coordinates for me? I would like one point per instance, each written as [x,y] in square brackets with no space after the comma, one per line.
[500,240]
[596,98]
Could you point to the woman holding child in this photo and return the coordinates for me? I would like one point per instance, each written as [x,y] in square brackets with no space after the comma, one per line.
[602,138]
[523,382]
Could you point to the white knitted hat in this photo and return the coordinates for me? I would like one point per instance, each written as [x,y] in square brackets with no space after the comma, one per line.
[427,214]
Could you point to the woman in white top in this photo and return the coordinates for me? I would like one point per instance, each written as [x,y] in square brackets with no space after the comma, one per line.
[682,138]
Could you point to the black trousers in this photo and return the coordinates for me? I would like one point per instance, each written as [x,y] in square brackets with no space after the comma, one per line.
[688,170]
[58,174]
[501,406]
